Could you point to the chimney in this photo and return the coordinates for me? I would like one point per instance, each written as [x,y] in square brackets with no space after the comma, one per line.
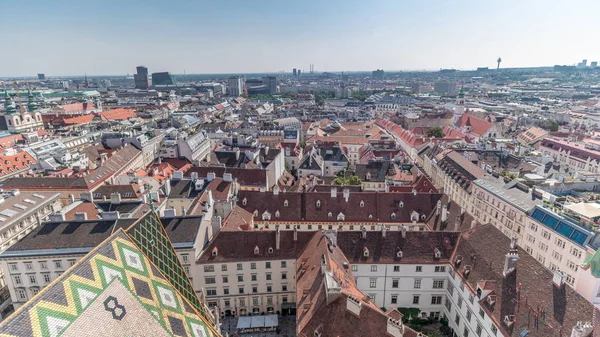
[582,329]
[295,233]
[444,213]
[558,279]
[115,198]
[159,160]
[511,259]
[227,177]
[210,176]
[334,192]
[277,238]
[57,217]
[383,231]
[155,196]
[177,175]
[276,190]
[364,232]
[438,208]
[169,213]
[183,211]
[457,224]
[71,198]
[403,231]
[346,194]
[86,196]
[194,176]
[353,305]
[168,187]
[414,191]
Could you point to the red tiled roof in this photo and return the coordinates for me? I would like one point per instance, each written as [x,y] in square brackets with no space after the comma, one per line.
[479,126]
[75,107]
[15,163]
[83,119]
[238,220]
[118,114]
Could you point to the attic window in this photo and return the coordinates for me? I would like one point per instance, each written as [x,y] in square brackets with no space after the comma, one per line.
[266,216]
[244,202]
[256,250]
[215,251]
[285,203]
[277,214]
[368,176]
[370,216]
[362,203]
[437,253]
[341,217]
[365,252]
[423,217]
[401,204]
[393,216]
[329,215]
[270,250]
[414,216]
[318,203]
[256,213]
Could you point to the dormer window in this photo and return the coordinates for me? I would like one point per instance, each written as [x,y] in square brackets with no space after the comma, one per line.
[362,203]
[256,250]
[414,216]
[277,214]
[215,251]
[329,215]
[368,176]
[318,203]
[341,217]
[255,213]
[245,202]
[270,250]
[370,216]
[393,216]
[423,217]
[437,253]
[266,216]
[401,204]
[285,203]
[365,252]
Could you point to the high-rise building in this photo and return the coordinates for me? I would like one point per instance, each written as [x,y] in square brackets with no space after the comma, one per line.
[271,83]
[378,74]
[295,72]
[141,78]
[445,87]
[41,77]
[162,78]
[234,86]
[593,64]
[299,72]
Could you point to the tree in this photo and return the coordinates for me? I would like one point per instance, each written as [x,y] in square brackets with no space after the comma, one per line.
[339,181]
[435,132]
[354,180]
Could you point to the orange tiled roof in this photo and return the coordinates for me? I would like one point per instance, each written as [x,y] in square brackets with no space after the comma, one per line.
[15,163]
[118,114]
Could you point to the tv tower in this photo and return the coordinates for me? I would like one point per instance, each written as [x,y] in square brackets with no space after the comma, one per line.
[499,60]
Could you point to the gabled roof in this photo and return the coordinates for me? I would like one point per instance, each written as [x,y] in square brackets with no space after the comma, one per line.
[479,126]
[15,163]
[526,292]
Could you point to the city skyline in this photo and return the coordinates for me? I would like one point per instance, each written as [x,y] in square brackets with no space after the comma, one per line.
[73,38]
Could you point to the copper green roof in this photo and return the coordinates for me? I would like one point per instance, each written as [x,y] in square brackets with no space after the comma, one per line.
[593,263]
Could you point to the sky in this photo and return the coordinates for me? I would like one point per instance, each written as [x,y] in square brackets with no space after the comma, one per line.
[76,37]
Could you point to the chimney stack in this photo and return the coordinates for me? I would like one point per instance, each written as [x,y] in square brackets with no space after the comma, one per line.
[276,190]
[403,231]
[115,198]
[295,233]
[438,208]
[277,238]
[511,259]
[334,192]
[444,213]
[364,232]
[383,231]
[457,224]
[346,194]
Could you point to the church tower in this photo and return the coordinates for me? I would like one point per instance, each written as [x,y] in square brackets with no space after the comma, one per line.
[459,108]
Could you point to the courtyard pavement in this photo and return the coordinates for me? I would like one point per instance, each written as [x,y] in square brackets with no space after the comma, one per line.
[287,328]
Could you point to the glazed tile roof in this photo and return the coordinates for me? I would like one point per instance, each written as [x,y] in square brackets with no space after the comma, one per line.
[115,290]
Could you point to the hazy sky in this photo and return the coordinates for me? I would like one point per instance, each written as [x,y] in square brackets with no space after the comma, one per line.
[73,37]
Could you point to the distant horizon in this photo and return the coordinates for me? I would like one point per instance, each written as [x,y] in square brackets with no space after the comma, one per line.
[316,72]
[72,37]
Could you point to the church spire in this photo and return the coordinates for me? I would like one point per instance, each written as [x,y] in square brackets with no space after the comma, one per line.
[9,105]
[31,105]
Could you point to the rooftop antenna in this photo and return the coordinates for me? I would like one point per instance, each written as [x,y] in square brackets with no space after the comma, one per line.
[499,61]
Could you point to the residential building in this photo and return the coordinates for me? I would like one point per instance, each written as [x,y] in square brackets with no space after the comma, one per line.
[251,272]
[572,156]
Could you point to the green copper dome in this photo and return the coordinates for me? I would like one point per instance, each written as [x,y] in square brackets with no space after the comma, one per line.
[31,105]
[461,94]
[9,105]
